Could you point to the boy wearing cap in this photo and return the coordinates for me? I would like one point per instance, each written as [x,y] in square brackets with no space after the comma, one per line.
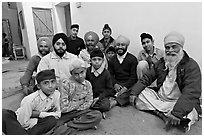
[175,99]
[38,112]
[149,55]
[76,99]
[101,82]
[28,80]
[75,43]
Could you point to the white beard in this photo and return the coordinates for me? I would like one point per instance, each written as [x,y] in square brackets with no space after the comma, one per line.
[172,60]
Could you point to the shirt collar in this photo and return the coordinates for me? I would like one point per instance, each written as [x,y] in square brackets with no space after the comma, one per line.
[66,55]
[154,52]
[43,96]
[98,71]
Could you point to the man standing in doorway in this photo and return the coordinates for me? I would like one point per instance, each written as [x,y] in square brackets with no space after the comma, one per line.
[75,43]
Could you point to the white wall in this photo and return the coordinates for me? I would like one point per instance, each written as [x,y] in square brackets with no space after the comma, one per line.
[131,19]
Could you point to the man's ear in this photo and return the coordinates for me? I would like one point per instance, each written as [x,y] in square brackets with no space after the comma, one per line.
[152,42]
[38,86]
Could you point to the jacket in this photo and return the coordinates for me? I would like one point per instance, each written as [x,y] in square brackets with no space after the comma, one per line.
[188,80]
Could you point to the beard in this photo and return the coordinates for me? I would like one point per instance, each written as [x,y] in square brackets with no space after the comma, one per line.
[44,52]
[60,52]
[121,51]
[173,58]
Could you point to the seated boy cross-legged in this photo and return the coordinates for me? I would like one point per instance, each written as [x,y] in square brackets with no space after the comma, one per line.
[76,99]
[101,82]
[38,112]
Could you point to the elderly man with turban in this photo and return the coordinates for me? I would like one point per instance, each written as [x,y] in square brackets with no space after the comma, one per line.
[27,81]
[91,42]
[122,67]
[59,59]
[175,99]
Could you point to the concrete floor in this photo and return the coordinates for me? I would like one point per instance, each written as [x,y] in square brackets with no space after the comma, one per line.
[119,121]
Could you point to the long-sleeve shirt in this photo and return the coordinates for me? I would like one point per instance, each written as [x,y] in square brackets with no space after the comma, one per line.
[123,73]
[75,46]
[32,67]
[61,65]
[75,95]
[38,101]
[151,59]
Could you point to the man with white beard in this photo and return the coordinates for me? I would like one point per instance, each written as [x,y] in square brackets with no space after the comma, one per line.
[176,97]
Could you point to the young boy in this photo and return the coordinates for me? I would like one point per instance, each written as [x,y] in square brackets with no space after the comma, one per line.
[38,112]
[76,99]
[101,82]
[110,52]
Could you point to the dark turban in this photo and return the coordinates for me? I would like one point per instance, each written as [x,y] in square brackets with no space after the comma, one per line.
[58,36]
[96,53]
[111,48]
[106,26]
[45,75]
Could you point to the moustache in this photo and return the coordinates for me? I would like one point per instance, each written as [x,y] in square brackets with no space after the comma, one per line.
[120,49]
[169,53]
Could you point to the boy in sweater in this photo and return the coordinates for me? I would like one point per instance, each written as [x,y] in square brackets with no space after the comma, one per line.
[101,81]
[38,112]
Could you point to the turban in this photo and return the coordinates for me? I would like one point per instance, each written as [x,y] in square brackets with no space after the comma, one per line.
[123,39]
[96,53]
[75,26]
[77,63]
[58,36]
[46,39]
[174,37]
[94,35]
[146,35]
[111,48]
[45,75]
[106,26]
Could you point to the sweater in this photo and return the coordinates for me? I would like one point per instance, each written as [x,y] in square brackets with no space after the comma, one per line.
[102,85]
[75,46]
[124,73]
[32,67]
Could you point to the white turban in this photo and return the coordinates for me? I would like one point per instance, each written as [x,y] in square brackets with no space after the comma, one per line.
[174,37]
[123,39]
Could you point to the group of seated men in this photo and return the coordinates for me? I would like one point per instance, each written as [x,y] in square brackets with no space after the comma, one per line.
[77,82]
